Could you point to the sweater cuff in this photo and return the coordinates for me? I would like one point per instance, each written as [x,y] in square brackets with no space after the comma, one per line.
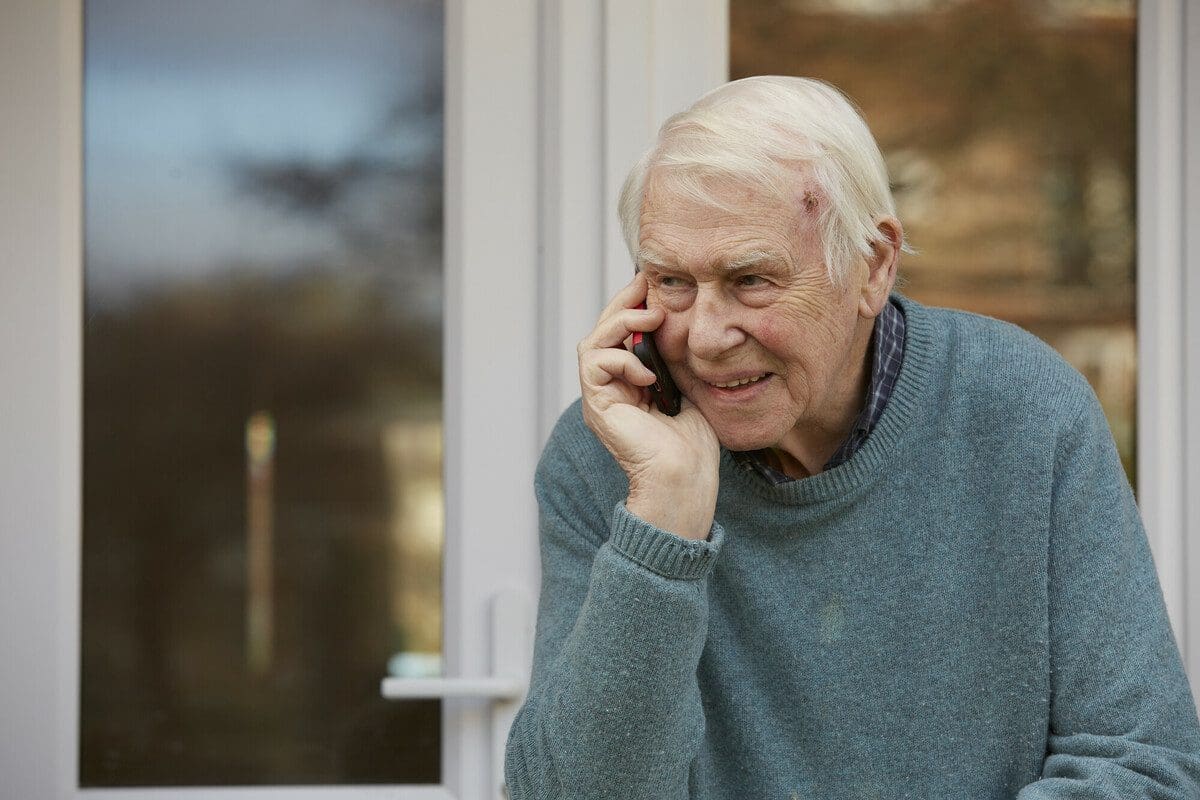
[662,551]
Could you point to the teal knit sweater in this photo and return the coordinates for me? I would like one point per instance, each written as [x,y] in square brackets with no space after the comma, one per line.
[967,609]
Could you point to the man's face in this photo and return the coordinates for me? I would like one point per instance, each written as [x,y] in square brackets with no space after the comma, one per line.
[754,334]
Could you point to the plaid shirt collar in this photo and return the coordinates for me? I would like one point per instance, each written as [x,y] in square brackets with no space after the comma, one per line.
[887,353]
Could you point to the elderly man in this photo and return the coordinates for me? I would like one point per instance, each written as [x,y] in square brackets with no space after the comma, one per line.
[884,550]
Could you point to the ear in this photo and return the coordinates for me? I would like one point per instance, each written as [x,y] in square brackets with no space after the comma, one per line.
[882,263]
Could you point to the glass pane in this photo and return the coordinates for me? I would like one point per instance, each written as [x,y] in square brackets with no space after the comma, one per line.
[1008,127]
[262,532]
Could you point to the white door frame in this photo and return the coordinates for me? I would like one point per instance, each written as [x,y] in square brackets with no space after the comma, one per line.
[40,284]
[491,374]
[1168,291]
[1189,271]
[613,71]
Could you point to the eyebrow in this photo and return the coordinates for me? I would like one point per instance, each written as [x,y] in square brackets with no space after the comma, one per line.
[739,262]
[749,259]
[652,258]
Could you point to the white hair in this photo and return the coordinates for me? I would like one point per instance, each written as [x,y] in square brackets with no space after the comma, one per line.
[768,133]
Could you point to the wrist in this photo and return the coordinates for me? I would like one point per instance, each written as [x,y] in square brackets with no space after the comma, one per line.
[688,514]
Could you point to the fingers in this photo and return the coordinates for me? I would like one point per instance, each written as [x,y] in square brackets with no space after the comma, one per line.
[601,367]
[621,317]
[609,374]
[613,329]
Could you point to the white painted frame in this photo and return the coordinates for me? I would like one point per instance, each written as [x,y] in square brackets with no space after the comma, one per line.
[1168,291]
[613,71]
[40,241]
[1189,215]
[492,442]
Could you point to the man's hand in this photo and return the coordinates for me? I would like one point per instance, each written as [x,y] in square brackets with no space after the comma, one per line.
[671,461]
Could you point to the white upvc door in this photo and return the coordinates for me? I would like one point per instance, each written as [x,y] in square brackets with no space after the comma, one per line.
[491,389]
[1168,218]
[547,102]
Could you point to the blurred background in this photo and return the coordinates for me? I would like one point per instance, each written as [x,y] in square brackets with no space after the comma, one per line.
[262,472]
[264,338]
[1008,129]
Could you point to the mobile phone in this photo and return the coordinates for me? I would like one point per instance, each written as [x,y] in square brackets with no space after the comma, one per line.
[663,391]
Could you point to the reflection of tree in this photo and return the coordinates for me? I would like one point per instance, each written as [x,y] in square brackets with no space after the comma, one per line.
[1009,130]
[169,384]
[1057,91]
[381,200]
[337,349]
[304,188]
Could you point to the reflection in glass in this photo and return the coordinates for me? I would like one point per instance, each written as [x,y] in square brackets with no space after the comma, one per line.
[262,391]
[1008,127]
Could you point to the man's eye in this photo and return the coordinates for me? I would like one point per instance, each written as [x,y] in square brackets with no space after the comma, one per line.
[750,281]
[670,282]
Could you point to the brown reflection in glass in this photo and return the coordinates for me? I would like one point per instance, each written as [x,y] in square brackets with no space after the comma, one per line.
[260,501]
[1008,128]
[262,392]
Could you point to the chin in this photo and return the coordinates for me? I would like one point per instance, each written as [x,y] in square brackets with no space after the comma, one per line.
[745,436]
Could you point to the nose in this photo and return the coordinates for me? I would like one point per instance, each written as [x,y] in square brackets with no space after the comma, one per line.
[713,327]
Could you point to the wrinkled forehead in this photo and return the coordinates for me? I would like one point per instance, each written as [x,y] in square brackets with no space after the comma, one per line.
[794,198]
[725,225]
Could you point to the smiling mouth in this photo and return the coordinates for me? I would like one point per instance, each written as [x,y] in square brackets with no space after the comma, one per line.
[739,382]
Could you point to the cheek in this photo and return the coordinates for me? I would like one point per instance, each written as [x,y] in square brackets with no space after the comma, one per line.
[671,338]
[767,331]
[798,351]
[778,338]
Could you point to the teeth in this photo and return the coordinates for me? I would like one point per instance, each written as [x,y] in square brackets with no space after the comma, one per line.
[742,382]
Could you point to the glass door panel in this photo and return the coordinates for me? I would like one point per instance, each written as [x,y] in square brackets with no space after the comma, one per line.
[262,393]
[1008,127]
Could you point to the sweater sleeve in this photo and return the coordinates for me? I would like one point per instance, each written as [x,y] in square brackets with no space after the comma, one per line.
[1122,719]
[613,709]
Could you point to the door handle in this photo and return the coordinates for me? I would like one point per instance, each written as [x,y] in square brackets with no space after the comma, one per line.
[416,688]
[512,650]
